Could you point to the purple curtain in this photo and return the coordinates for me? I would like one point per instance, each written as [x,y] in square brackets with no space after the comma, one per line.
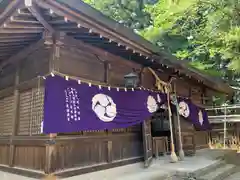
[196,114]
[72,107]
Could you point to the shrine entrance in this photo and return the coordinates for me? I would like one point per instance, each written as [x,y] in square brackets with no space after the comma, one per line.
[160,133]
[156,136]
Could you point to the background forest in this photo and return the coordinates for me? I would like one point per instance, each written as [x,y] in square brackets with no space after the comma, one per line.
[206,33]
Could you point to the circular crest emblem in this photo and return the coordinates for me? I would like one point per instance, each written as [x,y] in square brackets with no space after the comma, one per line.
[104,107]
[184,109]
[152,104]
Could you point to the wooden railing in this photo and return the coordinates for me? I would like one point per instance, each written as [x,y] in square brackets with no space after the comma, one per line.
[225,122]
[68,151]
[228,113]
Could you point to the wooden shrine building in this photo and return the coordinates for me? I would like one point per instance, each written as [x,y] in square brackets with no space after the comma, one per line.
[38,37]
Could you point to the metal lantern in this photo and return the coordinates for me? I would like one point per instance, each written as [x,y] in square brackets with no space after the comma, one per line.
[131,80]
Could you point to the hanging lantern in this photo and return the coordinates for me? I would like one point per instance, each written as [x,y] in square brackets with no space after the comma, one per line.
[131,80]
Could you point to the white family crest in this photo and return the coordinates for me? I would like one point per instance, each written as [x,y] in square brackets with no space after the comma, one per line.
[104,107]
[152,104]
[200,117]
[184,109]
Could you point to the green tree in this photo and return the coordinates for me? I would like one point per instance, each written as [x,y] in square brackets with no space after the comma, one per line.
[206,33]
[131,13]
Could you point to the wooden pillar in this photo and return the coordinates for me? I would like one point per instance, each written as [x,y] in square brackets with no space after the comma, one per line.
[106,72]
[50,148]
[225,128]
[109,132]
[54,61]
[15,119]
[54,41]
[109,148]
[237,133]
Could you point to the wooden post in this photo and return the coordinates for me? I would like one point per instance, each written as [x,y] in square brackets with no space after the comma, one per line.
[54,64]
[173,153]
[238,144]
[181,152]
[50,145]
[225,127]
[55,41]
[106,72]
[15,119]
[109,153]
[109,132]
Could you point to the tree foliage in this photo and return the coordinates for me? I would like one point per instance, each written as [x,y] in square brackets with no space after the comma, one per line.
[131,13]
[204,32]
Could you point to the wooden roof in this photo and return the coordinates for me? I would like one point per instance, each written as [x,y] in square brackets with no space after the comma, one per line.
[22,23]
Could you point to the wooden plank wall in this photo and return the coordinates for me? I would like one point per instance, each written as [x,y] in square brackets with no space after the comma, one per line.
[21,113]
[27,148]
[7,77]
[97,146]
[75,62]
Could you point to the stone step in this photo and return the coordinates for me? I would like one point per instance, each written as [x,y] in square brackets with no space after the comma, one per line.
[214,153]
[202,171]
[154,175]
[235,176]
[208,169]
[220,173]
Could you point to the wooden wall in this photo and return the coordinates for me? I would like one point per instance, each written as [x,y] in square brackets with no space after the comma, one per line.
[6,115]
[35,64]
[97,146]
[7,77]
[28,148]
[21,112]
[94,66]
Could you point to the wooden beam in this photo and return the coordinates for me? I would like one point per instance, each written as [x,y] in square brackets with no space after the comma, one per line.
[22,54]
[3,56]
[11,8]
[11,44]
[25,21]
[19,26]
[70,41]
[17,39]
[15,119]
[72,15]
[17,36]
[7,53]
[17,31]
[37,14]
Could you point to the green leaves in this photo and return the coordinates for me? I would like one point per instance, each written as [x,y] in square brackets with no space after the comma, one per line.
[131,13]
[204,32]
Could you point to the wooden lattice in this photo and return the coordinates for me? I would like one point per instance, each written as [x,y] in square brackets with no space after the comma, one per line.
[6,115]
[31,111]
